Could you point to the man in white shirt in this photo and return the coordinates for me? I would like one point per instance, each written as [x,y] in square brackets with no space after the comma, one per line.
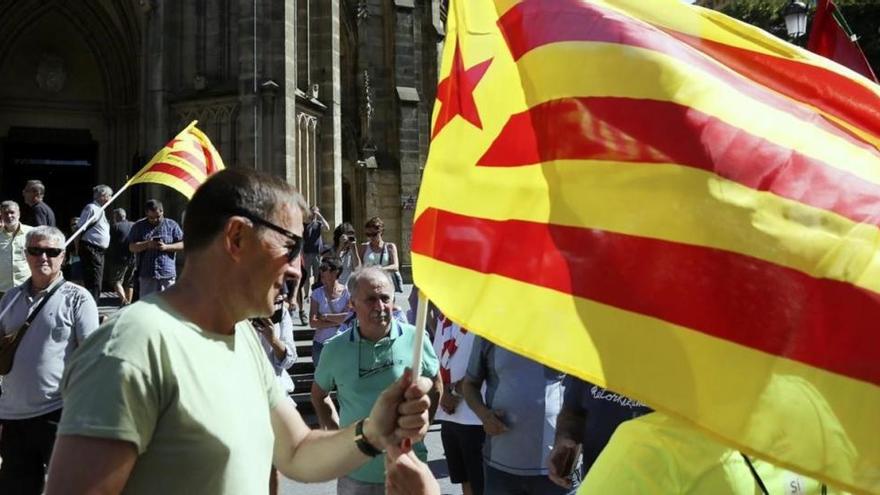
[94,241]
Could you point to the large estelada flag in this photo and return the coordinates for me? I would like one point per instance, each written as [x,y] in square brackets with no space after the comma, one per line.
[183,164]
[831,37]
[671,203]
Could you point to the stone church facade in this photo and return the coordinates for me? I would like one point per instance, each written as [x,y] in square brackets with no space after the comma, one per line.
[333,95]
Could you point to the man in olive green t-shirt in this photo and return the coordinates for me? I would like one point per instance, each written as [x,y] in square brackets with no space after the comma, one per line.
[174,395]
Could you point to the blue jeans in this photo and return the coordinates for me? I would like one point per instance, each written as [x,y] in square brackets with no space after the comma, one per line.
[317,347]
[351,486]
[148,285]
[501,483]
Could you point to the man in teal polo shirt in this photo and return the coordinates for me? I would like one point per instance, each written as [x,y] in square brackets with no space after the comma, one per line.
[361,362]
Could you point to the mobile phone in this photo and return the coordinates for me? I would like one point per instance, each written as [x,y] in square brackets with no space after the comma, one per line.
[276,316]
[570,463]
[156,238]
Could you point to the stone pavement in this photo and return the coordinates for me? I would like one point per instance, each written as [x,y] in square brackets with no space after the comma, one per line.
[435,460]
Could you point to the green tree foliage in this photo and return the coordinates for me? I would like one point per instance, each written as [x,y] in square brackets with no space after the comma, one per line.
[766,14]
[863,17]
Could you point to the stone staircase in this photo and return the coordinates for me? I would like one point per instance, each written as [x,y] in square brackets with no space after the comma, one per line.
[303,370]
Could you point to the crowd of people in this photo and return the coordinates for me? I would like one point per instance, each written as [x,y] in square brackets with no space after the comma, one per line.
[188,390]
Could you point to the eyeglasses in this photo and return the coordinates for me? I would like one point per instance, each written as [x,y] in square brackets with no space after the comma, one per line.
[50,252]
[293,250]
[378,358]
[373,234]
[327,268]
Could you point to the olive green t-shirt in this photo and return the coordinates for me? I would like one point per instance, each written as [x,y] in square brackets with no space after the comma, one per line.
[196,404]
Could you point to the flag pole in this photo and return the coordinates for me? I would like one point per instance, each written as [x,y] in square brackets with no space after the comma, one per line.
[124,187]
[86,226]
[421,320]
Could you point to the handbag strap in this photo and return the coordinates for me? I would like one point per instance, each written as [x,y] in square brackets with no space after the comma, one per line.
[386,250]
[33,314]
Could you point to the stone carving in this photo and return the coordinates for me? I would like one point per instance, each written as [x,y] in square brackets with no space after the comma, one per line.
[206,111]
[51,74]
[362,12]
[369,110]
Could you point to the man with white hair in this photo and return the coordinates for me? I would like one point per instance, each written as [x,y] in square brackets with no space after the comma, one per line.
[61,316]
[13,266]
[94,241]
[382,347]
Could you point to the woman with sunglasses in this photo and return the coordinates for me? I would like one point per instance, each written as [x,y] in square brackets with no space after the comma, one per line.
[329,306]
[379,253]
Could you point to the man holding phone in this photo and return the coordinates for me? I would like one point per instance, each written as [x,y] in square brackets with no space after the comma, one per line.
[588,418]
[156,240]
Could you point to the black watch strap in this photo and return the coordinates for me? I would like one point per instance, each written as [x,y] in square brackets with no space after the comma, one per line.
[361,442]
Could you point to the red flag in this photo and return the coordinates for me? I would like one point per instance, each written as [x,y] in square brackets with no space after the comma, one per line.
[829,39]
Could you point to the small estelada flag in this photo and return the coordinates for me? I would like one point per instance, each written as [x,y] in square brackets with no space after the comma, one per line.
[183,163]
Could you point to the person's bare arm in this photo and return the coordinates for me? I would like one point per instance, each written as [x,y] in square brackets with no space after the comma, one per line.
[357,256]
[491,419]
[141,246]
[400,414]
[173,247]
[324,408]
[265,327]
[89,466]
[434,394]
[405,474]
[392,257]
[337,318]
[362,250]
[569,432]
[324,224]
[316,319]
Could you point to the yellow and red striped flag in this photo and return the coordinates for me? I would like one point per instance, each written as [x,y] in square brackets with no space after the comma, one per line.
[183,164]
[670,203]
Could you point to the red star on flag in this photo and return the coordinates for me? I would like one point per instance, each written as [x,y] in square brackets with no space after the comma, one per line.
[456,92]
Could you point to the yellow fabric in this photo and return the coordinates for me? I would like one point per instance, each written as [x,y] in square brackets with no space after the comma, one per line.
[658,454]
[190,141]
[799,416]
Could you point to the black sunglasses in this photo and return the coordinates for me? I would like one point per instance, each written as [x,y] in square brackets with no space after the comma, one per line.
[293,250]
[50,252]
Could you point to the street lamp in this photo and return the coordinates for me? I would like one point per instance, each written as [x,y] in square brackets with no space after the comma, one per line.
[795,15]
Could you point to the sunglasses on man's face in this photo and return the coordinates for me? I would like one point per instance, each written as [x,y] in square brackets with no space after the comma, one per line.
[293,250]
[50,252]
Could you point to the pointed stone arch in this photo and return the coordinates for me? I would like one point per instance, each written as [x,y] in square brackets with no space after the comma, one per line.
[69,70]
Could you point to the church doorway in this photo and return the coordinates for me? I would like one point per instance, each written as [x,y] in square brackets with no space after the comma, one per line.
[64,159]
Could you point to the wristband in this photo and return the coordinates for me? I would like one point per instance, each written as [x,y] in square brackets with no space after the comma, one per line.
[361,441]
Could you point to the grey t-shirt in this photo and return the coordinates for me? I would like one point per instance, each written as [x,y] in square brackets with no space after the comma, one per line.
[530,394]
[32,387]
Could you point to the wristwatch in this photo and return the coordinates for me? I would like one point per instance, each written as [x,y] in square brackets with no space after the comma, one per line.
[452,391]
[361,441]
